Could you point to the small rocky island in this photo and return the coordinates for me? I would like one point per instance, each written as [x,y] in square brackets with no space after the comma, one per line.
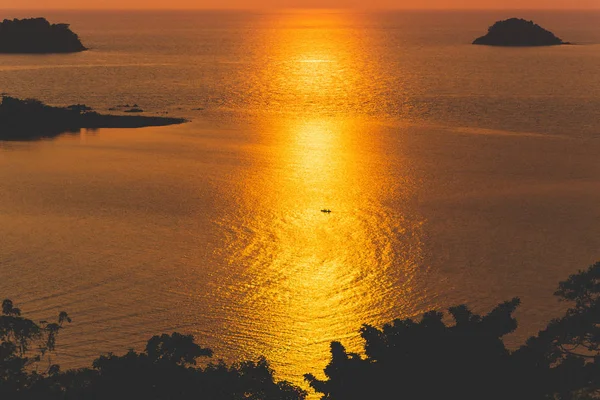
[31,119]
[37,36]
[518,32]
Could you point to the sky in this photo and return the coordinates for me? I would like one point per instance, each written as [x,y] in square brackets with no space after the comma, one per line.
[267,4]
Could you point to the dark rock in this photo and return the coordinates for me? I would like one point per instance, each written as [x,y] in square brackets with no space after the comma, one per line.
[37,36]
[134,110]
[518,32]
[31,119]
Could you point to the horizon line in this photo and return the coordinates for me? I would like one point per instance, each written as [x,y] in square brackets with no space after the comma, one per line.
[302,8]
[299,9]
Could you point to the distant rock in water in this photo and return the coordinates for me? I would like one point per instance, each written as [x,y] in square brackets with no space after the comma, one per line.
[37,36]
[518,32]
[31,119]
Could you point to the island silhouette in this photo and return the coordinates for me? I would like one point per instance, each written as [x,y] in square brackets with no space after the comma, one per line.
[518,32]
[37,36]
[31,119]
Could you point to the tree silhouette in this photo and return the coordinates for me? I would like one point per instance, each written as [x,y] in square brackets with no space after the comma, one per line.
[458,354]
[426,358]
[467,359]
[564,358]
[167,370]
[19,369]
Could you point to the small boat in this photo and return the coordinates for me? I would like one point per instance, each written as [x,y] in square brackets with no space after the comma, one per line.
[326,210]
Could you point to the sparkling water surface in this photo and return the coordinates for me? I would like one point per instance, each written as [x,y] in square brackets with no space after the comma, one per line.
[455,174]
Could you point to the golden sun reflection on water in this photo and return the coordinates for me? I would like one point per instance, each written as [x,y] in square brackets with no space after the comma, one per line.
[314,65]
[315,277]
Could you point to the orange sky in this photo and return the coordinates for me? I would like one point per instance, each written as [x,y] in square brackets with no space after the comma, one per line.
[262,4]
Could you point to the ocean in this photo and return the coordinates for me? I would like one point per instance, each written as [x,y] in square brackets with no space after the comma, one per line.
[455,174]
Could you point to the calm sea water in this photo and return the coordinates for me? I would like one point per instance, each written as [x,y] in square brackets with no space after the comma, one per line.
[455,174]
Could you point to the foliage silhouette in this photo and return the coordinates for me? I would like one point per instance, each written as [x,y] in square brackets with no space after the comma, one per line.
[165,370]
[565,356]
[455,355]
[18,369]
[429,359]
[426,359]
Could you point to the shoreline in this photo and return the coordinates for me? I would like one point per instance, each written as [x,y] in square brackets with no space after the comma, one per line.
[23,120]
